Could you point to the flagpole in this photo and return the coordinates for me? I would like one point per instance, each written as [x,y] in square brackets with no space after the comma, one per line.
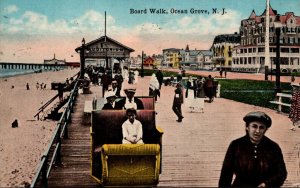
[267,40]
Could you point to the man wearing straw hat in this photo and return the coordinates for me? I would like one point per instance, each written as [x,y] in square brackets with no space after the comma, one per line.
[110,97]
[130,101]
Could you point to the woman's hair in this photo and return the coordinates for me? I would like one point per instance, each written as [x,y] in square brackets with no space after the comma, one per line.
[130,110]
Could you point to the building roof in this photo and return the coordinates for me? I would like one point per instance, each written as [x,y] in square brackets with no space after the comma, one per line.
[283,18]
[171,49]
[54,60]
[194,52]
[252,15]
[272,12]
[229,38]
[102,39]
[149,59]
[206,52]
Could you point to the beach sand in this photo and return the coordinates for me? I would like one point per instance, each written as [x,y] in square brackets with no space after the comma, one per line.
[21,148]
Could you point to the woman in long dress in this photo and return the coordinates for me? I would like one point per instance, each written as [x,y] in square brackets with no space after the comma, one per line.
[136,74]
[190,94]
[153,86]
[200,93]
[294,113]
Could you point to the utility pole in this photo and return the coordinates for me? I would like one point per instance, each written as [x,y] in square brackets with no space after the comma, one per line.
[82,59]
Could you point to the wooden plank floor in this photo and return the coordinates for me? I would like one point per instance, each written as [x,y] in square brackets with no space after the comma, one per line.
[193,151]
[75,171]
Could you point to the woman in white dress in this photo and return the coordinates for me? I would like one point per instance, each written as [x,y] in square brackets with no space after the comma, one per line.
[190,94]
[153,86]
[125,74]
[136,74]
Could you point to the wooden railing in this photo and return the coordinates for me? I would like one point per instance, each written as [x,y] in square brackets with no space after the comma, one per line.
[280,102]
[48,159]
[40,110]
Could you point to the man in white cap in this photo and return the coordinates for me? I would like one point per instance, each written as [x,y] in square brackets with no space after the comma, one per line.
[110,97]
[130,101]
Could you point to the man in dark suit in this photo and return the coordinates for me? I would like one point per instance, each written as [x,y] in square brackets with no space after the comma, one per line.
[119,79]
[177,102]
[160,78]
[130,101]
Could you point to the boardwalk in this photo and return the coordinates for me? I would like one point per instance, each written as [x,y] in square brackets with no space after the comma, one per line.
[193,150]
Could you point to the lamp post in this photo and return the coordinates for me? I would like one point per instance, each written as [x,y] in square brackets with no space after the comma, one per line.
[277,26]
[82,59]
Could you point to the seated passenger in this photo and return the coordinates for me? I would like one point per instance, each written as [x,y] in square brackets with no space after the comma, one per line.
[129,101]
[132,129]
[110,97]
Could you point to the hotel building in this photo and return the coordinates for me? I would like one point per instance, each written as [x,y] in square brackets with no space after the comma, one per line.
[249,56]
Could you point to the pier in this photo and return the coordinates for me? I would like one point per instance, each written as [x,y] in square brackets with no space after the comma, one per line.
[30,66]
[193,151]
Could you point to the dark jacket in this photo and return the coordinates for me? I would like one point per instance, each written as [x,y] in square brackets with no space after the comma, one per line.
[107,106]
[253,164]
[178,97]
[190,87]
[121,103]
[160,77]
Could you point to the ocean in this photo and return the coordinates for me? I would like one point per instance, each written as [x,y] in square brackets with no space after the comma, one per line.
[4,73]
[13,72]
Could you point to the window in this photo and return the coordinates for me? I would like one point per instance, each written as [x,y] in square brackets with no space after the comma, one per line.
[249,60]
[285,50]
[272,49]
[261,50]
[295,50]
[284,60]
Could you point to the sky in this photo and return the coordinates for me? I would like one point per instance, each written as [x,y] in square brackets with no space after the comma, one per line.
[34,30]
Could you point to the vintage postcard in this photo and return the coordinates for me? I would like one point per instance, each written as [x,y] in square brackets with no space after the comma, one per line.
[178,93]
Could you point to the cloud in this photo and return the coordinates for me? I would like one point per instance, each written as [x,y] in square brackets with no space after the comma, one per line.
[34,23]
[185,21]
[197,31]
[10,9]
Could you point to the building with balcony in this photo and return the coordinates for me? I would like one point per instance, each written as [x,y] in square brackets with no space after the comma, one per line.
[249,56]
[172,57]
[222,48]
[187,59]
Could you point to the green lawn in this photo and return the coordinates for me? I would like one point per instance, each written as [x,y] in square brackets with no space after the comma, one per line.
[258,93]
[254,92]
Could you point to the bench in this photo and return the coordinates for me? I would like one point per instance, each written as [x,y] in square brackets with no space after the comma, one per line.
[130,164]
[87,110]
[106,134]
[148,102]
[279,102]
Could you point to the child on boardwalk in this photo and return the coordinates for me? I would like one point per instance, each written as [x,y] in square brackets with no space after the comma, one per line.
[132,129]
